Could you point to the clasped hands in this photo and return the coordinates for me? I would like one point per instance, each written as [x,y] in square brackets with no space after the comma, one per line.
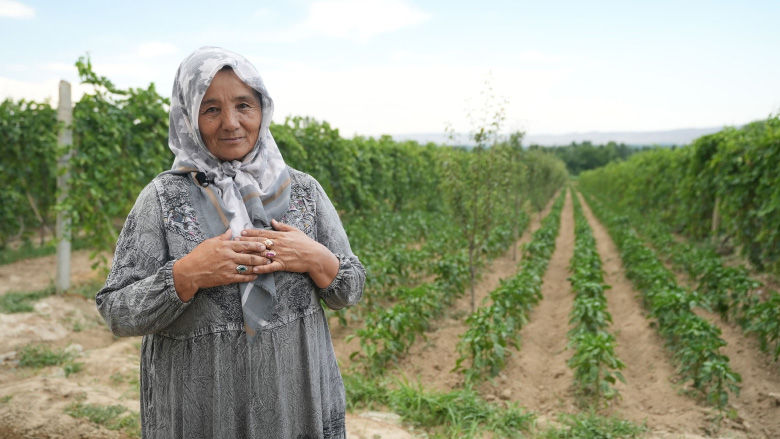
[213,262]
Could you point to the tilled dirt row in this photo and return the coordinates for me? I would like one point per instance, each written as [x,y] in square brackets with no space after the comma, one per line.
[650,394]
[432,359]
[536,376]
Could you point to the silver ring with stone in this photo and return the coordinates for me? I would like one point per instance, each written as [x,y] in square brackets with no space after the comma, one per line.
[268,243]
[241,269]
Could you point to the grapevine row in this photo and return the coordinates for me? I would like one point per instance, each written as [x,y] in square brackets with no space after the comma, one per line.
[722,186]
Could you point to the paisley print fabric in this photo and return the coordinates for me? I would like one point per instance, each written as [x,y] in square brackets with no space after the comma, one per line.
[200,377]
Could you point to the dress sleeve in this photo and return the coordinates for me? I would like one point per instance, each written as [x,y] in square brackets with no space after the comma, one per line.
[347,288]
[139,297]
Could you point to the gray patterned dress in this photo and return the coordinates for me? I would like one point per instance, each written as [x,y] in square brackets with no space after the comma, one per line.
[201,377]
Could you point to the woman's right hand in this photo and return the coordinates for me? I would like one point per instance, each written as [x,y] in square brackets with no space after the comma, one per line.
[213,262]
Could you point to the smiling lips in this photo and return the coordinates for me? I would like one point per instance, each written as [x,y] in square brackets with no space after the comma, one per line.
[231,139]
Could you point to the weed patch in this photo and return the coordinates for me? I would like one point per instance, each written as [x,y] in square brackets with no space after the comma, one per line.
[40,356]
[591,426]
[22,301]
[113,417]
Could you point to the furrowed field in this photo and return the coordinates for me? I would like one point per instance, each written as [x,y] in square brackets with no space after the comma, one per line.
[503,298]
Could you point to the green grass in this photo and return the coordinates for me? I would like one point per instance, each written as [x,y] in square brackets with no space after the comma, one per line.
[22,301]
[29,250]
[113,417]
[459,413]
[591,426]
[130,380]
[38,356]
[72,367]
[87,289]
[5,399]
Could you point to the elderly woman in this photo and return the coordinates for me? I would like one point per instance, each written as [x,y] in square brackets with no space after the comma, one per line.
[221,266]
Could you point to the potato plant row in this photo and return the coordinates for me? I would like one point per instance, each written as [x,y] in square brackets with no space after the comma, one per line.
[389,331]
[493,328]
[694,342]
[596,367]
[728,290]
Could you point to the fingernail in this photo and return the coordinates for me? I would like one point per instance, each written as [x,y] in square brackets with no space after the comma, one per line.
[243,233]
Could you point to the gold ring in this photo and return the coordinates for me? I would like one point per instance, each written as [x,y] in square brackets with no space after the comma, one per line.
[268,243]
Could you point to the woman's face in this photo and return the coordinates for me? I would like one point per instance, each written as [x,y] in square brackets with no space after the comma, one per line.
[229,117]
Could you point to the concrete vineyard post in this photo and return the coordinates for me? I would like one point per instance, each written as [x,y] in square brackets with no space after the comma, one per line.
[65,141]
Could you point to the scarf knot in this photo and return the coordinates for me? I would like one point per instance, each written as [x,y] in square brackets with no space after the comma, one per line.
[231,168]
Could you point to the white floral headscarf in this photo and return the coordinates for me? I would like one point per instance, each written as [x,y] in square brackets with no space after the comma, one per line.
[262,174]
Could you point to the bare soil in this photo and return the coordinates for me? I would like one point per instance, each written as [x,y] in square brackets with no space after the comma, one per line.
[33,402]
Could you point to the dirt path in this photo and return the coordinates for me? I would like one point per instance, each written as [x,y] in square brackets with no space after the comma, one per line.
[39,273]
[431,360]
[649,394]
[758,404]
[536,376]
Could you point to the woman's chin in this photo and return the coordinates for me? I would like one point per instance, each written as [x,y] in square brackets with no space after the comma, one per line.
[227,154]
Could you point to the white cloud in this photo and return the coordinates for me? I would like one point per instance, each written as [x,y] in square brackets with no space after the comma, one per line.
[40,91]
[14,9]
[60,67]
[155,49]
[357,19]
[411,98]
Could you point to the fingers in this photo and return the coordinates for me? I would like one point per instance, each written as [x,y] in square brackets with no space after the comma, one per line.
[269,268]
[251,260]
[282,227]
[264,233]
[239,278]
[246,246]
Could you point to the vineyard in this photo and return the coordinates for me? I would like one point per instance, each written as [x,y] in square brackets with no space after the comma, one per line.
[503,299]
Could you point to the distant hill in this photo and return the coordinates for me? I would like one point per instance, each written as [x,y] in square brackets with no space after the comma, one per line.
[639,138]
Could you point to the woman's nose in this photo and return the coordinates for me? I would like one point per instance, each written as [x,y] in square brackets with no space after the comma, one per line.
[230,120]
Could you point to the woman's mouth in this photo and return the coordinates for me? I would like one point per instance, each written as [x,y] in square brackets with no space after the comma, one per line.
[231,139]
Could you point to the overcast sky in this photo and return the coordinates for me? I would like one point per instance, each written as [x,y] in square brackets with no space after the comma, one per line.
[375,67]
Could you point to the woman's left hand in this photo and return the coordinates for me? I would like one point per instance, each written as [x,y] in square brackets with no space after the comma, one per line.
[292,250]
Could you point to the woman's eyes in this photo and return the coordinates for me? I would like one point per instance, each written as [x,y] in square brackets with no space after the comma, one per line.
[240,106]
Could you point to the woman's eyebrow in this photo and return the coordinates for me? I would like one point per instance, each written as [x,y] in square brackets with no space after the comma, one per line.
[235,99]
[246,98]
[209,101]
